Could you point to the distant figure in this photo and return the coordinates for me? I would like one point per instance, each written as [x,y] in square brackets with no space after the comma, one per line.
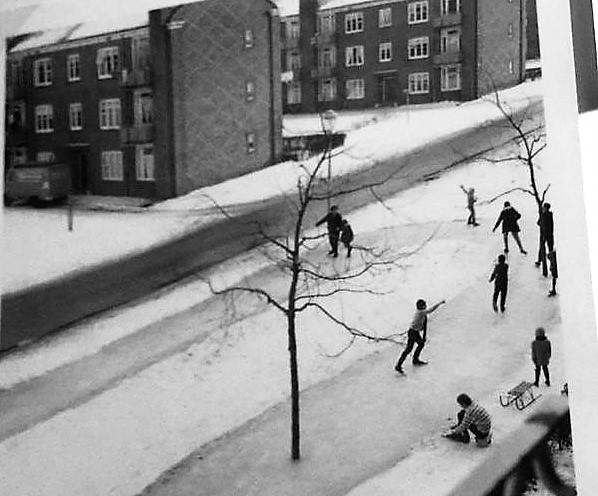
[419,324]
[508,218]
[546,223]
[541,352]
[333,221]
[471,199]
[471,418]
[347,236]
[500,276]
[554,271]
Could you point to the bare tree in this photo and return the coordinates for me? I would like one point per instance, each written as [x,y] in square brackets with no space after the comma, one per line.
[311,284]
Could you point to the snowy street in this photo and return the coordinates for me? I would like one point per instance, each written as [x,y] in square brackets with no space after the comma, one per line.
[109,424]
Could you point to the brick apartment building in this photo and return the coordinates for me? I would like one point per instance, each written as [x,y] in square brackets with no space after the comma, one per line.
[350,54]
[172,99]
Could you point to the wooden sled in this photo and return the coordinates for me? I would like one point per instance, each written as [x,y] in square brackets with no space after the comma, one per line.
[521,395]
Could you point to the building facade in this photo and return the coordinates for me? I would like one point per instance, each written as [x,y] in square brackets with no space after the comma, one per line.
[350,54]
[187,97]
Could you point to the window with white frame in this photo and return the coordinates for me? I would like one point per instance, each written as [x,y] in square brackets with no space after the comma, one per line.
[354,55]
[44,119]
[450,40]
[42,72]
[450,77]
[107,62]
[16,114]
[144,162]
[18,155]
[45,157]
[328,56]
[292,29]
[293,60]
[510,30]
[385,52]
[249,90]
[450,6]
[327,90]
[250,142]
[294,93]
[511,70]
[327,23]
[419,82]
[353,22]
[75,116]
[419,48]
[384,17]
[354,89]
[110,113]
[112,165]
[73,67]
[417,12]
[143,107]
[248,38]
[140,52]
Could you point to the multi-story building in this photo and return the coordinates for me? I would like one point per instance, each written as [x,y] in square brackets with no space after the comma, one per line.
[347,54]
[176,98]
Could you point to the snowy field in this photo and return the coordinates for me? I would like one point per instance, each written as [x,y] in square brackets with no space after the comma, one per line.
[37,245]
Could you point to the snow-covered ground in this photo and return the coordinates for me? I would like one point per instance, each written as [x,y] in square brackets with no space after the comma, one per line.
[37,245]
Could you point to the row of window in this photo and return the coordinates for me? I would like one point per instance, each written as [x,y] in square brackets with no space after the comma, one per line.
[418,83]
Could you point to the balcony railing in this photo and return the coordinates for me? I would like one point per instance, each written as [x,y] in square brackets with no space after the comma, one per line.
[523,455]
[324,38]
[136,77]
[450,57]
[449,19]
[323,72]
[137,134]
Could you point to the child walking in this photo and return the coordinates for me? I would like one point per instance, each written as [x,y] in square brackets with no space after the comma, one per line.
[500,276]
[347,236]
[541,351]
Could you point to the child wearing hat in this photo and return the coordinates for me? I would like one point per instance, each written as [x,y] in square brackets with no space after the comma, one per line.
[541,351]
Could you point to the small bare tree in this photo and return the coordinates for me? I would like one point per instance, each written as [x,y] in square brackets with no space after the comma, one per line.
[311,284]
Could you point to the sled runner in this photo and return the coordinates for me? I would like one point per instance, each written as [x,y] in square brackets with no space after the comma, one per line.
[521,395]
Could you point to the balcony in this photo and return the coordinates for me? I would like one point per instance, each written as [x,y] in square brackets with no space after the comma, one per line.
[324,38]
[136,77]
[449,19]
[137,134]
[323,72]
[451,57]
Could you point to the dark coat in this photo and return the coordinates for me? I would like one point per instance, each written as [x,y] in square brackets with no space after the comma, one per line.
[333,220]
[554,271]
[508,217]
[500,275]
[546,223]
[346,233]
[541,350]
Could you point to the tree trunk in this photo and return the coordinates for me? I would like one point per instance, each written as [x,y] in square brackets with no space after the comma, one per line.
[295,430]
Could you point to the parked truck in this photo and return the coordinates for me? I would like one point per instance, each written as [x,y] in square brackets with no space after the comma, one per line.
[37,183]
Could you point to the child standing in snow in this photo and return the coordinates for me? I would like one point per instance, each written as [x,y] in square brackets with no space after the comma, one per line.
[541,352]
[554,272]
[508,218]
[471,418]
[500,276]
[471,199]
[347,236]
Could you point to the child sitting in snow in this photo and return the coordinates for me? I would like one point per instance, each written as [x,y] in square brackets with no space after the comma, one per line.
[471,418]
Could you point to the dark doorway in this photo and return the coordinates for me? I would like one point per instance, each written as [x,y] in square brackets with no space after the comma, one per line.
[79,172]
[388,89]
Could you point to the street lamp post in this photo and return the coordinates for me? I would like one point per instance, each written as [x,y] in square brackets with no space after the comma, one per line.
[328,122]
[406,91]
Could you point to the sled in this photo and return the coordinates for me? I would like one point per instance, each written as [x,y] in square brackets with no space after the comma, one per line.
[521,396]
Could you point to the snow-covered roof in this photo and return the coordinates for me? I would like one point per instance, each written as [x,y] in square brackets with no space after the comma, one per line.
[291,7]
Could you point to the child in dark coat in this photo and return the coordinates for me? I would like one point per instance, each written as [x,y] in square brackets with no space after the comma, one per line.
[554,271]
[541,351]
[500,276]
[508,218]
[347,236]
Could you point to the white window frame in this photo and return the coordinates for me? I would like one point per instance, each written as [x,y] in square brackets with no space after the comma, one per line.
[418,12]
[354,56]
[511,67]
[294,93]
[330,94]
[355,89]
[293,60]
[385,51]
[447,40]
[418,48]
[385,17]
[45,65]
[248,38]
[112,165]
[144,171]
[109,113]
[44,119]
[45,157]
[143,107]
[445,7]
[108,62]
[73,67]
[249,90]
[419,83]
[510,30]
[445,78]
[327,56]
[353,22]
[75,116]
[250,142]
[293,28]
